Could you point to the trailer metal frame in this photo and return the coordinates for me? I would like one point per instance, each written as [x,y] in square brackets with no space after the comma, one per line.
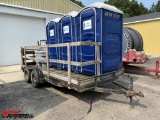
[72,80]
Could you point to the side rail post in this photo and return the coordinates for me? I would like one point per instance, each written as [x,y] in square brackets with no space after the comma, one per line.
[98,65]
[69,65]
[47,60]
[22,58]
[25,62]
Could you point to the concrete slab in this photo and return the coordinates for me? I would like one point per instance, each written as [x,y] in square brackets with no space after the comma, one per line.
[13,68]
[11,74]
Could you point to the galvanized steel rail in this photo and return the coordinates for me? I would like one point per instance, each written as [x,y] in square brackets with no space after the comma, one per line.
[69,62]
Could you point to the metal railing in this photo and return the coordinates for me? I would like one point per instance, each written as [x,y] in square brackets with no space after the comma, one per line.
[68,62]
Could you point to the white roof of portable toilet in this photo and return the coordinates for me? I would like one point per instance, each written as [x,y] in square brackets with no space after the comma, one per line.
[105,6]
[56,20]
[73,13]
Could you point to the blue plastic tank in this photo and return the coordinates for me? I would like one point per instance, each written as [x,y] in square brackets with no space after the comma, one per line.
[100,23]
[67,35]
[53,38]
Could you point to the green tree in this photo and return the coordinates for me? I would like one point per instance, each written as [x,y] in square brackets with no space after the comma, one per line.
[129,7]
[155,7]
[158,6]
[143,9]
[152,8]
[78,3]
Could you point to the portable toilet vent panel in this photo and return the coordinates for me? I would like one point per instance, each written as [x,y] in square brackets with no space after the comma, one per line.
[100,23]
[52,38]
[67,26]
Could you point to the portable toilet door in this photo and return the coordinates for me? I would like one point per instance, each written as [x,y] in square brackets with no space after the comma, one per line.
[67,36]
[100,23]
[86,31]
[112,29]
[52,38]
[111,25]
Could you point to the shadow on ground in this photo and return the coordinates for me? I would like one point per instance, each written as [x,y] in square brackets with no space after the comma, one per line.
[29,100]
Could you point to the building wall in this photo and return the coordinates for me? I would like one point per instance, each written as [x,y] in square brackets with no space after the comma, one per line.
[12,9]
[61,6]
[19,27]
[150,31]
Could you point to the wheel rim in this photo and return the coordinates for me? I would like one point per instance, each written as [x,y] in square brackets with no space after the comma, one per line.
[33,79]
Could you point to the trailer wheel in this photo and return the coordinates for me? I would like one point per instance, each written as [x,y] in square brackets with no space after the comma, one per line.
[27,75]
[35,79]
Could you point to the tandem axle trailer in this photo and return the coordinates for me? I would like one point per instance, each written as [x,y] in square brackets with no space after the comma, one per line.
[37,75]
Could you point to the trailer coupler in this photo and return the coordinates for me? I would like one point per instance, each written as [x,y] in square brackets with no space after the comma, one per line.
[131,93]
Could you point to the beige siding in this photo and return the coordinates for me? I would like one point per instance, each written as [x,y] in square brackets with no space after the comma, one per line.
[61,6]
[150,32]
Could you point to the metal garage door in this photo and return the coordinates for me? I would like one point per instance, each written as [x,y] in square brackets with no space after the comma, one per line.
[17,31]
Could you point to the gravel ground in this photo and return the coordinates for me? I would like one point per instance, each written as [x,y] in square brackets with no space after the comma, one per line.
[54,103]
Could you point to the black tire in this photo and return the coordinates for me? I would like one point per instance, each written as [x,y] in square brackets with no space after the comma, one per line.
[34,79]
[27,75]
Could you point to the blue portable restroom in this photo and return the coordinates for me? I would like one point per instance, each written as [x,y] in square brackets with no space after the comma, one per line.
[52,30]
[100,23]
[68,34]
